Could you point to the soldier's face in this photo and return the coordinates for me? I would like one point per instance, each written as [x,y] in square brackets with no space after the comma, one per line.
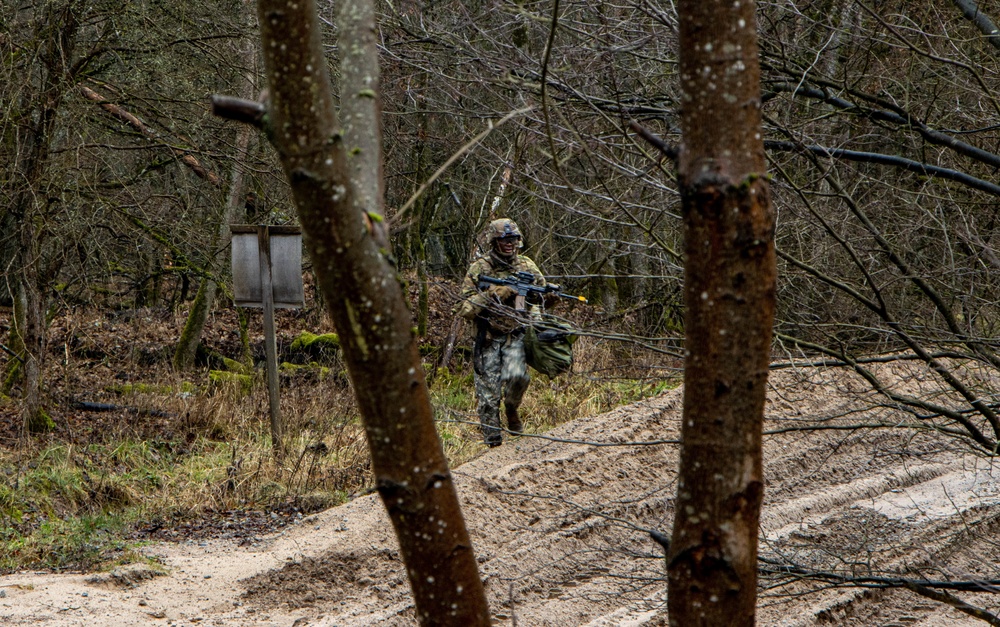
[506,246]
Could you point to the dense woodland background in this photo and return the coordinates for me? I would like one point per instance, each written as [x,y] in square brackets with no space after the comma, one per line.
[881,125]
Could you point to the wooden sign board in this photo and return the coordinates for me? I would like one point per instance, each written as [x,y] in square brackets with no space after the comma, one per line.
[286,266]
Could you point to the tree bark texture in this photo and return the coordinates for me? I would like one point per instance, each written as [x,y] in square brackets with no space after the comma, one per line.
[32,334]
[367,305]
[360,104]
[55,37]
[729,292]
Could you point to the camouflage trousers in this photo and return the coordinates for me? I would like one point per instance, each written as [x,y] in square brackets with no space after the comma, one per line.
[500,373]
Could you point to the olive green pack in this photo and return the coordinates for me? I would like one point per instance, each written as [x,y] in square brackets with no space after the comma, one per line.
[548,346]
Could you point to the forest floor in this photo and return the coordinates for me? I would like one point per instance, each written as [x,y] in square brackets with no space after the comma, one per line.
[560,527]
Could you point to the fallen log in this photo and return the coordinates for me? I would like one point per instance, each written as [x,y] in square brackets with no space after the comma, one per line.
[106,407]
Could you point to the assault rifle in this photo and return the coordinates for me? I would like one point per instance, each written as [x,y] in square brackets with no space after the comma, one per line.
[523,283]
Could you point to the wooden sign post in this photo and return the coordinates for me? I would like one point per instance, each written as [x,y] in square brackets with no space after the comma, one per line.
[267,273]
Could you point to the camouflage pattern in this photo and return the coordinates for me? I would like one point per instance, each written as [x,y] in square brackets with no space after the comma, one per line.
[500,373]
[503,227]
[474,301]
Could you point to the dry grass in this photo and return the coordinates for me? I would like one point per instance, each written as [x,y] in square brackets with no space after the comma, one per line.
[182,455]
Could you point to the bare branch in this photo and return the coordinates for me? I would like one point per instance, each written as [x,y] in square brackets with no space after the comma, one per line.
[240,110]
[896,116]
[668,151]
[953,601]
[974,14]
[186,158]
[909,165]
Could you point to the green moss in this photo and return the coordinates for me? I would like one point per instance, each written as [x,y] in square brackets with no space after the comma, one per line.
[447,379]
[307,341]
[234,366]
[324,348]
[41,422]
[225,379]
[752,178]
[12,378]
[128,389]
[312,367]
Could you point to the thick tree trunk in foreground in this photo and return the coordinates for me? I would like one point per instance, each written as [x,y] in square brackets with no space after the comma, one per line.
[367,304]
[729,291]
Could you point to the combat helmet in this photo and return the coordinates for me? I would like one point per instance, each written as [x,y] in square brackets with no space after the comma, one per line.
[503,227]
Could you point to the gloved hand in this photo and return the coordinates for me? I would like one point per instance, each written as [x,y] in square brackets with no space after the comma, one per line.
[468,309]
[502,292]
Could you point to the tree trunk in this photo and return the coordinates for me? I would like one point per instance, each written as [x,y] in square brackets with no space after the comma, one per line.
[8,254]
[187,345]
[204,300]
[366,300]
[14,372]
[34,418]
[54,36]
[29,328]
[729,290]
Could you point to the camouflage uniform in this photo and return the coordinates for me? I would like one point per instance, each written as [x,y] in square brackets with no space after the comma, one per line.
[498,352]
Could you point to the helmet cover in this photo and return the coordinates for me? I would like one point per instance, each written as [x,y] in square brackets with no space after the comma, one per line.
[504,227]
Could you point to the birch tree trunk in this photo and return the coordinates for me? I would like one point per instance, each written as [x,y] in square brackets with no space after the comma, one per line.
[729,292]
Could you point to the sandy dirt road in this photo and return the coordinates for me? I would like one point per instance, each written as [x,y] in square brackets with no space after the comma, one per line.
[560,527]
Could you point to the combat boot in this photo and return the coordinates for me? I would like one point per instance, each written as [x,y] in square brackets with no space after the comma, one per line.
[513,420]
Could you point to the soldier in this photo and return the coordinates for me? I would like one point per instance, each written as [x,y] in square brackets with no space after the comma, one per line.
[498,352]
